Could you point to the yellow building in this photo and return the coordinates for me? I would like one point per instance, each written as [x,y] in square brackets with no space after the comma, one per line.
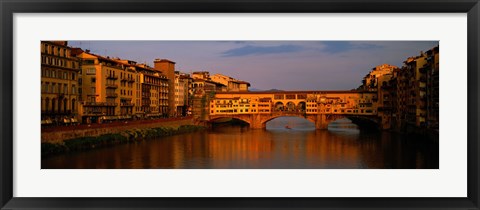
[181,94]
[415,91]
[154,85]
[377,80]
[413,87]
[59,86]
[204,75]
[243,86]
[431,70]
[167,68]
[232,84]
[107,88]
[127,87]
[371,81]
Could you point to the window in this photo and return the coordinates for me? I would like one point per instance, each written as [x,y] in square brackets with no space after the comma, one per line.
[93,80]
[89,62]
[90,71]
[301,96]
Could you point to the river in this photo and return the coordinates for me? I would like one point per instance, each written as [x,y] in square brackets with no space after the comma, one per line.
[297,146]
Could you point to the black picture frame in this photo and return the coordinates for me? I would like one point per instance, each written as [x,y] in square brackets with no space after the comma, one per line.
[10,7]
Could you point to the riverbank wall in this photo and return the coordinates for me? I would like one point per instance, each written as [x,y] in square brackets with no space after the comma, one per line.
[67,139]
[57,135]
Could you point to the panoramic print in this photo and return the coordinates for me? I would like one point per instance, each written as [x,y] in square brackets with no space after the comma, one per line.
[239,104]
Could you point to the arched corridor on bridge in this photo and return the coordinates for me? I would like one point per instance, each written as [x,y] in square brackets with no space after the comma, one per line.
[301,106]
[279,106]
[290,107]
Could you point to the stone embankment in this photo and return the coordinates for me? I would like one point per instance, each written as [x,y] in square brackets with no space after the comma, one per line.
[58,140]
[60,133]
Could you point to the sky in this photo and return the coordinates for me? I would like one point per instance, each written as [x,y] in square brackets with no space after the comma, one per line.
[284,65]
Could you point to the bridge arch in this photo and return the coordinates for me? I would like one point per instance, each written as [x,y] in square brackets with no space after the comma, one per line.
[270,118]
[320,121]
[295,122]
[237,117]
[363,122]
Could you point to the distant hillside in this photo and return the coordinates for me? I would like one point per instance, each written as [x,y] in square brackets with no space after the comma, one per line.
[274,90]
[257,90]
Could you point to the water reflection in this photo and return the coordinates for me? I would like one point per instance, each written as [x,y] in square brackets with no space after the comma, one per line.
[277,147]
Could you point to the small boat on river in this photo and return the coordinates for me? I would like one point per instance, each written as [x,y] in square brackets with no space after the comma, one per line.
[287,127]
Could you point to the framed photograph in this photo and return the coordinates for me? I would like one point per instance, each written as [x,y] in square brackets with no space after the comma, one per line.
[239,105]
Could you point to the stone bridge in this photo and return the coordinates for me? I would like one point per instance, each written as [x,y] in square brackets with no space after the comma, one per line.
[319,107]
[321,121]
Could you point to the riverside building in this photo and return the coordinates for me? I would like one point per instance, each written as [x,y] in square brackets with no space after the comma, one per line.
[107,88]
[59,84]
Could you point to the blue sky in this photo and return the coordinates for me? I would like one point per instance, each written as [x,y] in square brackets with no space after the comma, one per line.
[286,65]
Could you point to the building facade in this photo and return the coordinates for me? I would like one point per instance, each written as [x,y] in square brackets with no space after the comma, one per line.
[431,69]
[107,88]
[181,94]
[59,84]
[410,96]
[371,81]
[231,84]
[167,68]
[154,92]
[418,90]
